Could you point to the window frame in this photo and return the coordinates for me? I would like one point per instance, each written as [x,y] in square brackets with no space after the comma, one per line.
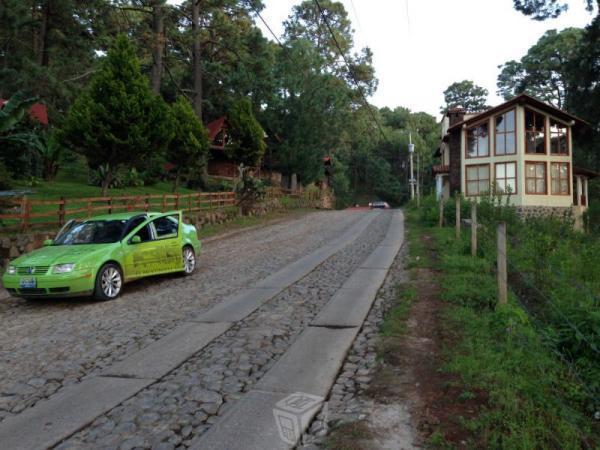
[467,194]
[169,236]
[516,177]
[545,163]
[505,133]
[567,136]
[477,125]
[525,131]
[569,182]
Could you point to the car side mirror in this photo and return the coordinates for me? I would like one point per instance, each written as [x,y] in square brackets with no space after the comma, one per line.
[136,240]
[48,242]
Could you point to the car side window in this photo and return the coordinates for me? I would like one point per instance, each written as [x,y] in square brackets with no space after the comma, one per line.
[144,234]
[133,224]
[166,227]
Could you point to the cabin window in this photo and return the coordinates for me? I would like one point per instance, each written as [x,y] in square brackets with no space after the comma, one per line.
[535,134]
[559,138]
[478,141]
[506,141]
[506,177]
[559,178]
[535,178]
[477,179]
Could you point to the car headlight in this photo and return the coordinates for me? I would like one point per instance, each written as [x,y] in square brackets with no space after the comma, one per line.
[11,270]
[63,268]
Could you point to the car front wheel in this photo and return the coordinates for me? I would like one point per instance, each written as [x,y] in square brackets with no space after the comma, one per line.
[189,260]
[108,282]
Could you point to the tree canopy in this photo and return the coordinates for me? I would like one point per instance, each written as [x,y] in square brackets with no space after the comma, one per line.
[465,94]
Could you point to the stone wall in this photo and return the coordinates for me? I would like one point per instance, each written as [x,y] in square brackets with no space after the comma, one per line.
[543,211]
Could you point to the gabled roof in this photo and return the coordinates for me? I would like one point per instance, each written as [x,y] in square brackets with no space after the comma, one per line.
[37,111]
[521,99]
[215,127]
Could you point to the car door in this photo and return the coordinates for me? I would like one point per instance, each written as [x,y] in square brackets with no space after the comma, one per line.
[142,257]
[167,232]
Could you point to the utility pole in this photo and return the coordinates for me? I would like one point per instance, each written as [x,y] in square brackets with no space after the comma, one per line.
[411,151]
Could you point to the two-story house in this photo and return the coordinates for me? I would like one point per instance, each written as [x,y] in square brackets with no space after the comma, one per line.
[523,148]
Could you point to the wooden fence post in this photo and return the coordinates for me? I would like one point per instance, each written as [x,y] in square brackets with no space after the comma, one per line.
[177,200]
[441,221]
[147,202]
[501,262]
[61,211]
[457,214]
[474,229]
[24,213]
[110,205]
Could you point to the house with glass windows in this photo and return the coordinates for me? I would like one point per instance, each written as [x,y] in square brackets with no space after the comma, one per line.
[522,148]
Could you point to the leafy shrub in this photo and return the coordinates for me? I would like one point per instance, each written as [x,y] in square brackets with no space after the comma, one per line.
[474,290]
[133,178]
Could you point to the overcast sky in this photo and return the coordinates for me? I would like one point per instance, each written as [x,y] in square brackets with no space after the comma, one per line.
[422,46]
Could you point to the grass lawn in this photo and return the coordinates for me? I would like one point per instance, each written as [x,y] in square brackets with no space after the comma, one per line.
[533,401]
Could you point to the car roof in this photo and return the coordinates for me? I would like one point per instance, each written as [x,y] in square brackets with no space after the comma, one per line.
[120,216]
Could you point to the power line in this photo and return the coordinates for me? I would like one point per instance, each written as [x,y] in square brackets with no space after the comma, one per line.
[266,24]
[322,14]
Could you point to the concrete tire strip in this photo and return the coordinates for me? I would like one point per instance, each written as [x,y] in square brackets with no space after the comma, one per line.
[274,414]
[55,419]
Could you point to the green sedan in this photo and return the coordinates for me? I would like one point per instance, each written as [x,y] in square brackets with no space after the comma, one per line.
[99,255]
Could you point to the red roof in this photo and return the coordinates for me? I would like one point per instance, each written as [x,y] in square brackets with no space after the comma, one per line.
[215,127]
[37,111]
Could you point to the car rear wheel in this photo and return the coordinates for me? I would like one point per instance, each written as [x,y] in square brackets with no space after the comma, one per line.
[109,282]
[189,260]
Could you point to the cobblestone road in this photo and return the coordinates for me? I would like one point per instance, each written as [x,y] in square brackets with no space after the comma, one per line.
[45,345]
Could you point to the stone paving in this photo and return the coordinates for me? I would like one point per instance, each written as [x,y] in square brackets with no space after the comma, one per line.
[184,404]
[345,403]
[45,345]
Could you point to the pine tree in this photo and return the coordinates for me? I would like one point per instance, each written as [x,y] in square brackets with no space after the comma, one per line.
[247,144]
[117,120]
[189,148]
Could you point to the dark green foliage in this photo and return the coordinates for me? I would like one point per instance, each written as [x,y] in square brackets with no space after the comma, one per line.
[247,145]
[465,94]
[117,121]
[545,9]
[188,149]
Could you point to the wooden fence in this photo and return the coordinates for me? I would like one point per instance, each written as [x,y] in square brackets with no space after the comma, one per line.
[25,214]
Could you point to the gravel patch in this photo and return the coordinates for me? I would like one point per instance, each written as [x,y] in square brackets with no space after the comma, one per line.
[184,404]
[48,344]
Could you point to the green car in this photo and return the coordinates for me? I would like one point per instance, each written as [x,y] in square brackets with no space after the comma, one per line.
[97,256]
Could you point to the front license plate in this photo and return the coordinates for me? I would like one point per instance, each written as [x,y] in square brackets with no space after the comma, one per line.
[27,283]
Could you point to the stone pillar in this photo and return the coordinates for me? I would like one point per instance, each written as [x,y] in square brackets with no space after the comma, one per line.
[579,192]
[585,191]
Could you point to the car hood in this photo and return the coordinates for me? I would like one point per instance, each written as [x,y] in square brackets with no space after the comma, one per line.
[59,254]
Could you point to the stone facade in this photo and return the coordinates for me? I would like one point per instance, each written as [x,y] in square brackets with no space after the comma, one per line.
[526,212]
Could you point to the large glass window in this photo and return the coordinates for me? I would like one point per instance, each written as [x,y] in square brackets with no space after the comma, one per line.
[559,178]
[478,141]
[166,227]
[478,179]
[535,132]
[506,142]
[506,177]
[559,140]
[535,178]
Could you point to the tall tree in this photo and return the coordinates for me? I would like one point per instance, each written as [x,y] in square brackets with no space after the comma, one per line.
[197,58]
[542,71]
[247,144]
[546,9]
[188,150]
[465,94]
[158,48]
[117,120]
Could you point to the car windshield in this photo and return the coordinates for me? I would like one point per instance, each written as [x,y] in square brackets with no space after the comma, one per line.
[93,232]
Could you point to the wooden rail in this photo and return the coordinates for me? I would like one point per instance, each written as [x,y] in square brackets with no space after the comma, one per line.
[24,213]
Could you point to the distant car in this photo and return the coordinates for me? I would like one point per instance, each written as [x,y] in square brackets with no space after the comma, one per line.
[98,256]
[379,205]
